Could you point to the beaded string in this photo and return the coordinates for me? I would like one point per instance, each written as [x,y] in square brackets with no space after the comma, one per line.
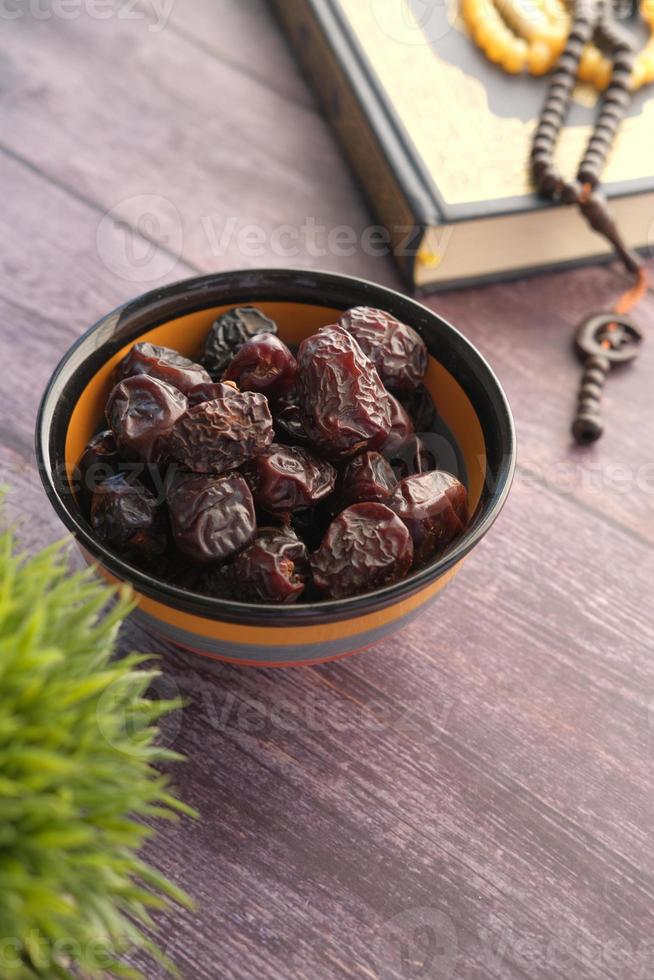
[578,41]
[531,37]
[591,20]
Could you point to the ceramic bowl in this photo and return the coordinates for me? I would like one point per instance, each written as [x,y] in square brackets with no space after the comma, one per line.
[477,439]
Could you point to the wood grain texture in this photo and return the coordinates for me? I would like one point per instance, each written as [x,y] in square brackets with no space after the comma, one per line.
[487,774]
[209,162]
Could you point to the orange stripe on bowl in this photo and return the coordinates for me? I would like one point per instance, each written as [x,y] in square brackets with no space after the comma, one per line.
[275,635]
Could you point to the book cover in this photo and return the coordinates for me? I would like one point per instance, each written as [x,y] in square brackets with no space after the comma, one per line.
[440,139]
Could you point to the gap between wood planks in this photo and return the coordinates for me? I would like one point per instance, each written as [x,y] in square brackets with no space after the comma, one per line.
[95,206]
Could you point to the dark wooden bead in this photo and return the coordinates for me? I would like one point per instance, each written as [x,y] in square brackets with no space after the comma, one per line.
[594,156]
[550,182]
[546,130]
[562,78]
[606,127]
[540,167]
[621,77]
[617,96]
[575,46]
[570,191]
[612,39]
[581,31]
[623,61]
[568,62]
[591,164]
[544,145]
[588,176]
[611,113]
[541,155]
[598,144]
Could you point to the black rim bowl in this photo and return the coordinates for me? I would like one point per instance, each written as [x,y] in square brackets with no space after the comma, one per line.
[126,323]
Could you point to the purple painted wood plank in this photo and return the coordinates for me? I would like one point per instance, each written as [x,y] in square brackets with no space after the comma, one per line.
[489,765]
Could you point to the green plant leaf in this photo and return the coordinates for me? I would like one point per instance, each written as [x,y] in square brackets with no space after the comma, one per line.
[78,744]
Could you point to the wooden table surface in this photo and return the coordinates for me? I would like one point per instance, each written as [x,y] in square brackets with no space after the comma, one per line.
[473,798]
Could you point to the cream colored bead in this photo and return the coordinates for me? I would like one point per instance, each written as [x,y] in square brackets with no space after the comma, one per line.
[532,34]
[647,11]
[526,20]
[558,15]
[647,60]
[638,76]
[515,60]
[602,75]
[539,58]
[591,58]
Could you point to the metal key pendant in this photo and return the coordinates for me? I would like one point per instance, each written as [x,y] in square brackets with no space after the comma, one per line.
[602,340]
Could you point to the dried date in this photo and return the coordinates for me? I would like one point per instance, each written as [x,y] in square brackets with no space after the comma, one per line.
[263,364]
[229,332]
[420,406]
[368,477]
[366,547]
[162,363]
[98,462]
[345,408]
[212,518]
[125,515]
[401,429]
[274,568]
[141,412]
[284,479]
[224,433]
[205,392]
[434,507]
[398,352]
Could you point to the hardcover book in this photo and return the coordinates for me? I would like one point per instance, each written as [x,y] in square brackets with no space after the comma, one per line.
[440,141]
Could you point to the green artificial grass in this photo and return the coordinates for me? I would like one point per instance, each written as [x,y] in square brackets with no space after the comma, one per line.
[77,748]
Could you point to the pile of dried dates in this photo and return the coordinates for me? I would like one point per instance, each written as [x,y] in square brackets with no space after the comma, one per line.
[265,474]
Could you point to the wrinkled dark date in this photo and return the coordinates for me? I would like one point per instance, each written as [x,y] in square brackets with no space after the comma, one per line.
[98,462]
[141,412]
[162,363]
[345,408]
[287,478]
[366,547]
[212,517]
[309,439]
[434,507]
[366,477]
[125,515]
[204,393]
[263,364]
[223,433]
[405,451]
[289,427]
[274,568]
[412,457]
[229,332]
[421,409]
[396,350]
[401,429]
